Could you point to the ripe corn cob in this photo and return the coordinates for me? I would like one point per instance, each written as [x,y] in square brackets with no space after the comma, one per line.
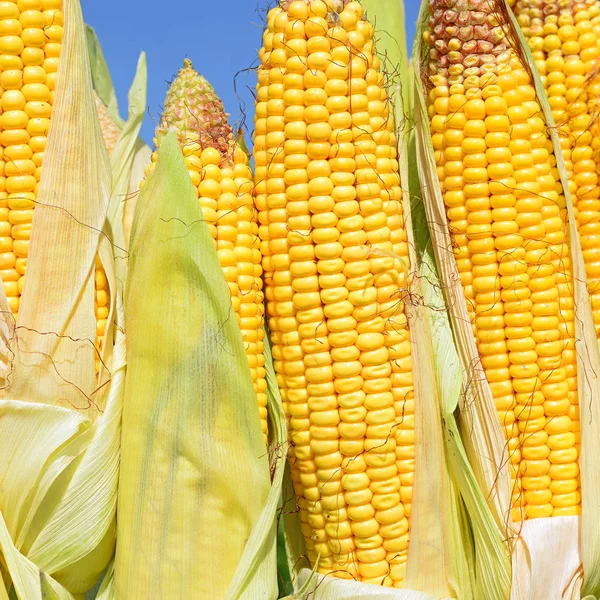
[335,259]
[110,131]
[31,35]
[506,212]
[566,48]
[223,180]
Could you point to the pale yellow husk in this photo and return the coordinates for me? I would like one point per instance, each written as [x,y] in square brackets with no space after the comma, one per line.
[122,164]
[133,164]
[195,488]
[59,434]
[142,158]
[323,587]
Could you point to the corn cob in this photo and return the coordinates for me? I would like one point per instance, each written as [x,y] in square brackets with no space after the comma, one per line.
[110,131]
[506,211]
[31,34]
[335,259]
[222,177]
[564,41]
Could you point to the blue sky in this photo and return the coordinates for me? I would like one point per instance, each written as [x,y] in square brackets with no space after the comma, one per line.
[221,37]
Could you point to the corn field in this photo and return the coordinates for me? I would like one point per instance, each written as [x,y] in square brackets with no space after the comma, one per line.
[344,349]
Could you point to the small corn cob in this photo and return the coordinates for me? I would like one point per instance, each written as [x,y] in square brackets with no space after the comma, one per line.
[31,35]
[110,131]
[564,41]
[335,259]
[507,215]
[101,306]
[223,179]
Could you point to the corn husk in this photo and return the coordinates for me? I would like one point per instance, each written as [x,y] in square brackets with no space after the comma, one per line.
[101,78]
[106,590]
[324,587]
[60,436]
[122,161]
[195,489]
[535,544]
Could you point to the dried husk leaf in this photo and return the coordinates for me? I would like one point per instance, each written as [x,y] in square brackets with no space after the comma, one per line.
[125,163]
[56,326]
[122,160]
[141,159]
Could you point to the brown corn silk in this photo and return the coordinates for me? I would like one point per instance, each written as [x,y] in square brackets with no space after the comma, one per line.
[336,266]
[564,41]
[507,218]
[222,178]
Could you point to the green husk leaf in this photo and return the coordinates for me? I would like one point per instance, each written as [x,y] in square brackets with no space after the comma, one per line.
[293,538]
[283,572]
[122,160]
[101,78]
[259,561]
[388,18]
[194,470]
[107,588]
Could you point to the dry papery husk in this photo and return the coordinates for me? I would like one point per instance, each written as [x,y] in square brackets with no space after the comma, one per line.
[133,159]
[552,558]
